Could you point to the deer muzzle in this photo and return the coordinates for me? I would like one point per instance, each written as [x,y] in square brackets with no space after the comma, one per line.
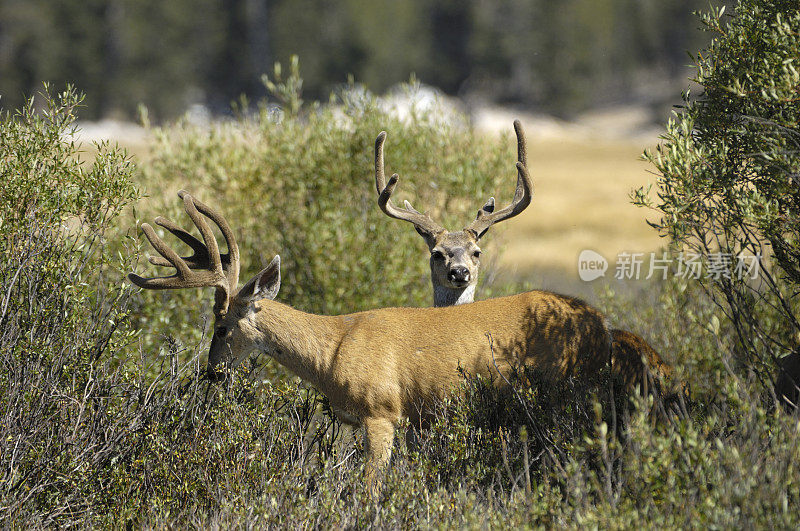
[458,275]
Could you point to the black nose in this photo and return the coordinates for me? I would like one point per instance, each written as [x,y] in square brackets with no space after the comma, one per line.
[458,274]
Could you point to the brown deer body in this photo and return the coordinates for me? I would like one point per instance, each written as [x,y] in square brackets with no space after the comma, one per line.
[392,363]
[455,260]
[379,366]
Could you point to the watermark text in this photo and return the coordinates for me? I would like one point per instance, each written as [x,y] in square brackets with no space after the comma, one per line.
[636,266]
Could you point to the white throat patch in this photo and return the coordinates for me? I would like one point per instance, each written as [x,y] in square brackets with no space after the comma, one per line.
[451,297]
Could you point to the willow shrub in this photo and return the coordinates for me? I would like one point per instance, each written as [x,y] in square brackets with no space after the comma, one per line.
[63,310]
[728,174]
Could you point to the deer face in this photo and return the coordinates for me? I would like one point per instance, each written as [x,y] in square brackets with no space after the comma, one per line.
[229,343]
[455,259]
[235,335]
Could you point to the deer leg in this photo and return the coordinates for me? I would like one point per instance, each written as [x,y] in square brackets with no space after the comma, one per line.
[378,439]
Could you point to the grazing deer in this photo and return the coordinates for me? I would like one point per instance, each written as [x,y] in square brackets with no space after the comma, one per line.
[455,259]
[382,365]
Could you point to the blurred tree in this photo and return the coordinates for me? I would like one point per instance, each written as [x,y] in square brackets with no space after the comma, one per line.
[558,57]
[451,27]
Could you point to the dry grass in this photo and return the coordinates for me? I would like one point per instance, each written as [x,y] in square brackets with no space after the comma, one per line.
[581,201]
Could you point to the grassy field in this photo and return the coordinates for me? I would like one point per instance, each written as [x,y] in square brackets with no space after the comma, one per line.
[580,202]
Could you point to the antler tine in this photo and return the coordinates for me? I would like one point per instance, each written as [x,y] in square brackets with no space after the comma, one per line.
[201,258]
[423,222]
[198,260]
[522,150]
[380,177]
[215,261]
[522,195]
[183,277]
[230,261]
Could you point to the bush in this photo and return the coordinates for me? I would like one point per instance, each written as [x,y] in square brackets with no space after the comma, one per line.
[302,185]
[63,319]
[727,184]
[94,431]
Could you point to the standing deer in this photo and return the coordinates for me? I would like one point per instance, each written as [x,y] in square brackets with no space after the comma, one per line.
[455,259]
[455,256]
[379,366]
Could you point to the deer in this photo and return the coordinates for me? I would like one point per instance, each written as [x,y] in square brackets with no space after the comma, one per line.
[454,255]
[380,366]
[455,260]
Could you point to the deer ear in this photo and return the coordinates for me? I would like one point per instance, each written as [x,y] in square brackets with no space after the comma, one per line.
[264,285]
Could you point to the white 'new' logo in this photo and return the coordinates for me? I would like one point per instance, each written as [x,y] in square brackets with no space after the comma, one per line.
[591,265]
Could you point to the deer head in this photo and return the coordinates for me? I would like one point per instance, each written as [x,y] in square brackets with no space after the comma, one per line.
[207,267]
[455,256]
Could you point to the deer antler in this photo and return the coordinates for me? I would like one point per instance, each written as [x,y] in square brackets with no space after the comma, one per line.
[522,196]
[206,267]
[423,222]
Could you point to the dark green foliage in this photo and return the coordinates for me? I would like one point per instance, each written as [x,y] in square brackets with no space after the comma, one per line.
[728,172]
[560,57]
[43,175]
[488,426]
[63,313]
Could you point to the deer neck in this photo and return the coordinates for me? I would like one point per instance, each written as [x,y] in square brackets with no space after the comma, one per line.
[303,343]
[443,296]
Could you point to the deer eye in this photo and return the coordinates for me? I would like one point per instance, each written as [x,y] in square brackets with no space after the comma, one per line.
[221,332]
[437,255]
[476,254]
